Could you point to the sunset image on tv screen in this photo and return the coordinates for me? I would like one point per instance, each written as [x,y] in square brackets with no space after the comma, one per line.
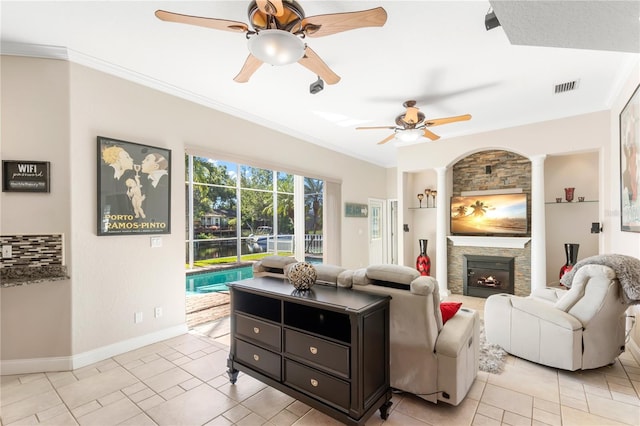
[489,214]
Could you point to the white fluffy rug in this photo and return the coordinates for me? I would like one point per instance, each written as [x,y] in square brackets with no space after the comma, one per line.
[492,357]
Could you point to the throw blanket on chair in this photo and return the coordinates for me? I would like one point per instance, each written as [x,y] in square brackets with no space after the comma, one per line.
[627,271]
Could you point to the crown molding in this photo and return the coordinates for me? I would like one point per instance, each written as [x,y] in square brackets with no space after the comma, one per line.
[34,50]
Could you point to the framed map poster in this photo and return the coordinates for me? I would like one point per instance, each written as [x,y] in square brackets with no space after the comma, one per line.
[134,188]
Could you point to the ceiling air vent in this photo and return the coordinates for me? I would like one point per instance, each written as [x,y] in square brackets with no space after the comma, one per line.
[566,87]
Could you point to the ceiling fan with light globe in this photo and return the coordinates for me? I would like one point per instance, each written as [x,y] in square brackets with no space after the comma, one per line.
[279,28]
[412,125]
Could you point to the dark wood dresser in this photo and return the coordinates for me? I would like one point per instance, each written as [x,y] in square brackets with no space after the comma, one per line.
[327,347]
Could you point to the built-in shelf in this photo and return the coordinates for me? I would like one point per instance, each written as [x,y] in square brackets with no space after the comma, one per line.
[481,241]
[421,208]
[571,202]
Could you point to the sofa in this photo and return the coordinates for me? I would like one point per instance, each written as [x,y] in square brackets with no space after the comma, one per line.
[278,267]
[433,360]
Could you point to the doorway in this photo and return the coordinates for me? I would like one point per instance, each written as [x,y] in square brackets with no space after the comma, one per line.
[377,231]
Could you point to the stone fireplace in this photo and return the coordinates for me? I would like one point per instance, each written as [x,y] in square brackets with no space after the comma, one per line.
[487,275]
[491,170]
[485,246]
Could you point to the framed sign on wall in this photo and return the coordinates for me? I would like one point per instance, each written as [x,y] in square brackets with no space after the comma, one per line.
[356,210]
[134,188]
[25,176]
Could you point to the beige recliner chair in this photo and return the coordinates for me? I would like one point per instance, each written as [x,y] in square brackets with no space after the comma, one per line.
[576,329]
[433,361]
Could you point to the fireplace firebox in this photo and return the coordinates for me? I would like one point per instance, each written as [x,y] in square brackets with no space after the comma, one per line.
[487,275]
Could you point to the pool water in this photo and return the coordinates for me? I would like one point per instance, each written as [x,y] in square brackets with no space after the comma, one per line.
[209,282]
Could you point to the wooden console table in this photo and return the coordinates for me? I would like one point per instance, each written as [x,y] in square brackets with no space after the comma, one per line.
[327,347]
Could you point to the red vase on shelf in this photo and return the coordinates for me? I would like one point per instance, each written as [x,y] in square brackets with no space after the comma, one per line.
[423,263]
[571,252]
[568,194]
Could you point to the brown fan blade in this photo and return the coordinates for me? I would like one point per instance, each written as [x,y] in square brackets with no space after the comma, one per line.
[411,116]
[213,23]
[376,127]
[312,61]
[270,7]
[387,139]
[439,121]
[323,25]
[250,66]
[429,134]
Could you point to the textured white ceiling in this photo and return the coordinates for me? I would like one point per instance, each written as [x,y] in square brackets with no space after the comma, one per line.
[599,25]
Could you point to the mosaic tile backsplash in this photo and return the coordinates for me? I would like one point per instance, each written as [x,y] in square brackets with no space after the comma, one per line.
[32,250]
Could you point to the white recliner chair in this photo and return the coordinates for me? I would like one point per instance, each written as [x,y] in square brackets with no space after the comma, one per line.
[576,329]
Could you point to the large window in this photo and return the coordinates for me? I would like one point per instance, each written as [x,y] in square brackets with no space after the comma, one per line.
[238,212]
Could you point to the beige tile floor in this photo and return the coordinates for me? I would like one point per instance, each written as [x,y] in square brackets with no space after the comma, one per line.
[182,381]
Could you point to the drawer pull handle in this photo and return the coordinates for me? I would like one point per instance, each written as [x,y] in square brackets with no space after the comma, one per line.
[256,330]
[256,357]
[314,383]
[313,350]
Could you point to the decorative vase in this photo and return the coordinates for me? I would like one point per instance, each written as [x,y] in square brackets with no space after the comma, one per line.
[568,194]
[302,275]
[571,252]
[423,263]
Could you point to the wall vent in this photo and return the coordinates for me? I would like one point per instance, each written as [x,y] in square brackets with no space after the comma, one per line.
[566,87]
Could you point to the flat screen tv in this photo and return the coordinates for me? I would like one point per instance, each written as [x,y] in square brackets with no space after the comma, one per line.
[493,214]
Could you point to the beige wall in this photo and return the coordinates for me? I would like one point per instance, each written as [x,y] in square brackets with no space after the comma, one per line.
[36,320]
[54,111]
[571,222]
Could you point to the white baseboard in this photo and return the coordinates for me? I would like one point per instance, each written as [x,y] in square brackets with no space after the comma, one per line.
[65,363]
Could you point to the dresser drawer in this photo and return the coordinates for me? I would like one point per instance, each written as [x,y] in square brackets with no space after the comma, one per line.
[260,332]
[322,353]
[317,384]
[259,359]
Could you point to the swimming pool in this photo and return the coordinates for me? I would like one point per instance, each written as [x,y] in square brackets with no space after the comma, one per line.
[209,282]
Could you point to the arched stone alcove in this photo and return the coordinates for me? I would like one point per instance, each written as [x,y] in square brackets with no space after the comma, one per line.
[491,170]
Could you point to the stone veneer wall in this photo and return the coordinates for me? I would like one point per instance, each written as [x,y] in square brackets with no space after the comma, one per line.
[32,250]
[522,266]
[508,170]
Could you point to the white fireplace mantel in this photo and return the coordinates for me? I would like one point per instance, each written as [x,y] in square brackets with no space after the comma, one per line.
[500,242]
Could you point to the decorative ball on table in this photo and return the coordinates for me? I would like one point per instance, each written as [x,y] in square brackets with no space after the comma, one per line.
[302,275]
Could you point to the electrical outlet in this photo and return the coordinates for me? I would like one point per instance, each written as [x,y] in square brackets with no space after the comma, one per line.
[7,252]
[156,242]
[158,312]
[137,317]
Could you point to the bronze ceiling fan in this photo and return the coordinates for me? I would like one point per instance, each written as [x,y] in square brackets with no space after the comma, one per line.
[412,124]
[278,30]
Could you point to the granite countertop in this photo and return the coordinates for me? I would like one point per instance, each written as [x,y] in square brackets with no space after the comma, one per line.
[21,275]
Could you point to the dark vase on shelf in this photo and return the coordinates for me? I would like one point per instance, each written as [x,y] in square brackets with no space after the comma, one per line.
[423,263]
[571,252]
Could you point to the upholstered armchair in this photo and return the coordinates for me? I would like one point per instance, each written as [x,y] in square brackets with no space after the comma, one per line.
[576,329]
[435,361]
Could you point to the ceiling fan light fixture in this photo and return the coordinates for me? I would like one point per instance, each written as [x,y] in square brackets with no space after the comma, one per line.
[409,135]
[276,47]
